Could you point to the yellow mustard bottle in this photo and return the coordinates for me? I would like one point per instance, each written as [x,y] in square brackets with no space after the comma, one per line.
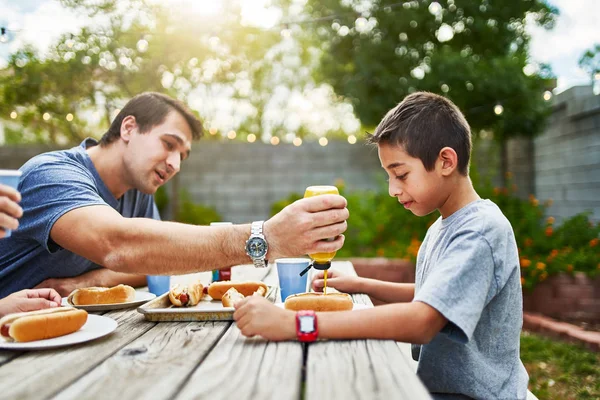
[322,261]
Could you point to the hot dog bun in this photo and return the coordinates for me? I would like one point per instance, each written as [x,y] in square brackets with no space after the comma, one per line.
[216,290]
[101,295]
[187,296]
[42,324]
[231,297]
[319,302]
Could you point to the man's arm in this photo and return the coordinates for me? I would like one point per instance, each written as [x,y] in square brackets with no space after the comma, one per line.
[141,245]
[102,277]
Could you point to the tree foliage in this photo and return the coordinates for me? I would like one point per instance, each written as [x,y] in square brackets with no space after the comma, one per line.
[590,61]
[158,49]
[474,52]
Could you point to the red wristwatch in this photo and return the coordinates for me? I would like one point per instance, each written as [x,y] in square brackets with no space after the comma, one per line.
[306,326]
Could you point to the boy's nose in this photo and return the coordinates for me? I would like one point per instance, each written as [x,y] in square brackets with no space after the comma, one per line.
[394,190]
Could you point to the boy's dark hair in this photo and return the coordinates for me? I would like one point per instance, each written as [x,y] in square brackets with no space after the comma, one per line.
[424,123]
[151,109]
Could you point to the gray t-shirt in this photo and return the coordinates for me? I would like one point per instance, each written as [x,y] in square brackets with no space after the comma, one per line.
[53,184]
[468,270]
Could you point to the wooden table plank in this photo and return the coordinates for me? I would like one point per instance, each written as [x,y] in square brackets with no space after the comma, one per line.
[372,369]
[40,374]
[154,365]
[8,355]
[240,368]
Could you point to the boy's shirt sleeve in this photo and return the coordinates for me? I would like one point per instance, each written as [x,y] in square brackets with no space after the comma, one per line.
[459,285]
[49,191]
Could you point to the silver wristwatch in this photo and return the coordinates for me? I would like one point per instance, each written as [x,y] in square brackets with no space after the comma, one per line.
[256,245]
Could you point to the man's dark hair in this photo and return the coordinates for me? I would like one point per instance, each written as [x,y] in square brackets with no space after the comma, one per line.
[151,109]
[424,123]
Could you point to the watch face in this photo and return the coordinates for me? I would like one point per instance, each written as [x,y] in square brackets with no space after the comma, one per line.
[307,323]
[256,247]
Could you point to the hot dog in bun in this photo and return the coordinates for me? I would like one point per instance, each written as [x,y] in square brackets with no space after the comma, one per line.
[101,295]
[231,297]
[186,296]
[319,302]
[216,290]
[41,324]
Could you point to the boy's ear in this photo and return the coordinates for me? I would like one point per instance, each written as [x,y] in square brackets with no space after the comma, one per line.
[127,127]
[448,160]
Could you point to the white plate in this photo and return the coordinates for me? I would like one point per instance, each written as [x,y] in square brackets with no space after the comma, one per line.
[354,308]
[140,298]
[95,327]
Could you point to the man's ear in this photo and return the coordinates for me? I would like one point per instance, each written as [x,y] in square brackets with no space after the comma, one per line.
[128,126]
[447,160]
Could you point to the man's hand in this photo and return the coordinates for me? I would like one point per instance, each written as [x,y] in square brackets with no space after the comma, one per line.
[301,227]
[64,286]
[29,300]
[343,283]
[9,209]
[255,315]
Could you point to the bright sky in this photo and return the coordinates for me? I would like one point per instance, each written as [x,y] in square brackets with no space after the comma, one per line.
[40,22]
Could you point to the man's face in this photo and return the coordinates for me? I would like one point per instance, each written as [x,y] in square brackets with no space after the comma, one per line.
[417,189]
[154,157]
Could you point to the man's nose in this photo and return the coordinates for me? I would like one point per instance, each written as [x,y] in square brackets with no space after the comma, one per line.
[174,162]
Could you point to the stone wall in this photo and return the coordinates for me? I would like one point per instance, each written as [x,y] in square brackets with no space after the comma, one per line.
[563,164]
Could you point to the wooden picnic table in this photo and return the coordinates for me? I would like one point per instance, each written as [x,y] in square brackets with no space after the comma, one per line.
[209,360]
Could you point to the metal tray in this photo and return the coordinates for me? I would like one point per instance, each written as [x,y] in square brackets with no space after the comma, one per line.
[161,309]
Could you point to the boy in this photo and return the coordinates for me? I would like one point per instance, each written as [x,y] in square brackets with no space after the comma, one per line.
[465,309]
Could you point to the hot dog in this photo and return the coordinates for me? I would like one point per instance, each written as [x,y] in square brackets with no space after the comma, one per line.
[187,296]
[216,290]
[41,324]
[231,297]
[319,302]
[101,295]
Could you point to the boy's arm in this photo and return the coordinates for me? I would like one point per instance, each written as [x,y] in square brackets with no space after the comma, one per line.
[388,292]
[414,322]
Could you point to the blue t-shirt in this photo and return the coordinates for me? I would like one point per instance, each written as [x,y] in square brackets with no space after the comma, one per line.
[53,184]
[468,270]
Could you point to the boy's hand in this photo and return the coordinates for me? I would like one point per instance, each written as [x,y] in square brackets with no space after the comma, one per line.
[337,280]
[255,315]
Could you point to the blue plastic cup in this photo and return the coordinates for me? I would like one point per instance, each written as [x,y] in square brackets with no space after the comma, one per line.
[290,281]
[9,177]
[158,284]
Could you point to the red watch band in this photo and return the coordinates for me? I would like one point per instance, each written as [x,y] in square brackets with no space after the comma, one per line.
[303,318]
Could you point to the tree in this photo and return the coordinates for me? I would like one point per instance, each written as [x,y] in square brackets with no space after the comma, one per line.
[590,62]
[160,49]
[474,52]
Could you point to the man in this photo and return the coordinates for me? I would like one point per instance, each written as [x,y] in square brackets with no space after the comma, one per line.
[91,207]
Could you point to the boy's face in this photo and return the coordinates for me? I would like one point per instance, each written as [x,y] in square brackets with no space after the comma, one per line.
[417,189]
[155,157]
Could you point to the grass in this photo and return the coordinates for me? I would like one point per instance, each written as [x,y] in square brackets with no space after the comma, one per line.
[560,370]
